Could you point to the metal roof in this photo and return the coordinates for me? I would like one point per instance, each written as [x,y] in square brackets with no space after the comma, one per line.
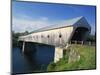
[69,22]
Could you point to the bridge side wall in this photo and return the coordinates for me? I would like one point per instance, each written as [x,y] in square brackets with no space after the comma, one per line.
[56,37]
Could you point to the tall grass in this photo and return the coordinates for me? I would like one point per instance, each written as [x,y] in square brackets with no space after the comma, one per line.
[87,60]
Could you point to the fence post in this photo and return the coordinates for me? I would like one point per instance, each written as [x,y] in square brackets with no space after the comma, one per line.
[82,42]
[89,42]
[75,42]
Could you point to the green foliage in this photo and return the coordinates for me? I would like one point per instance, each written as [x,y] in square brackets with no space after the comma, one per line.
[15,37]
[87,59]
[91,38]
[56,66]
[52,66]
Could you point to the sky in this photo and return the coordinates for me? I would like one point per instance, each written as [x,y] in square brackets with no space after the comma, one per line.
[30,16]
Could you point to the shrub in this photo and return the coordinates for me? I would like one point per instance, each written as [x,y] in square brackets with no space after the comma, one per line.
[51,66]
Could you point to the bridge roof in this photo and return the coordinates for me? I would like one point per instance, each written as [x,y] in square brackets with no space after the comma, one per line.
[69,22]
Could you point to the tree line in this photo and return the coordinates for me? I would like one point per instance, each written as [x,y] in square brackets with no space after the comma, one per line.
[15,36]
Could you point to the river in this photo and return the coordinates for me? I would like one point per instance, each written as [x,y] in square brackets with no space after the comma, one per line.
[32,63]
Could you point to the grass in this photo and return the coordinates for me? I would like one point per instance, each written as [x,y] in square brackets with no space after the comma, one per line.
[87,59]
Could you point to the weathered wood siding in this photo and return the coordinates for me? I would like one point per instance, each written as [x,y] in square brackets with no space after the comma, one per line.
[56,37]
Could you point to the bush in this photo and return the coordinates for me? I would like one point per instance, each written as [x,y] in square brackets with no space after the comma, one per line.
[51,66]
[91,38]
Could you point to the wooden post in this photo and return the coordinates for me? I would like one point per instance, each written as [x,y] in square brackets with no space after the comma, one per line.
[89,42]
[82,42]
[75,42]
[23,48]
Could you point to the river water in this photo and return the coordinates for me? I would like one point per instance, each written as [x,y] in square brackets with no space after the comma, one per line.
[31,63]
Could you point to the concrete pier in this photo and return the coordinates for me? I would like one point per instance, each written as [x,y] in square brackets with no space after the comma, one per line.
[58,54]
[23,47]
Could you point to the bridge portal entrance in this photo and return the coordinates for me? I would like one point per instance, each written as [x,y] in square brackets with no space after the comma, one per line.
[80,34]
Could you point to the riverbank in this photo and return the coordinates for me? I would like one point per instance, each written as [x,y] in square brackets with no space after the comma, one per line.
[86,61]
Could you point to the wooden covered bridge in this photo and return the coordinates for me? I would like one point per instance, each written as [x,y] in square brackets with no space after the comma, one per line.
[61,34]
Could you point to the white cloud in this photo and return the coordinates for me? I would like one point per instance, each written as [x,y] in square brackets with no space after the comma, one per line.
[23,24]
[44,18]
[26,23]
[29,24]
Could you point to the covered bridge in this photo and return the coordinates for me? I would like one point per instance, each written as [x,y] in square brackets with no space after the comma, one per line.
[75,29]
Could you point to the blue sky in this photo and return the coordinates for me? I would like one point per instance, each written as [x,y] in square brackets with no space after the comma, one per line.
[31,16]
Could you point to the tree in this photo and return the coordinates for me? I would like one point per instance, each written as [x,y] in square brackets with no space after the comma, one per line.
[91,38]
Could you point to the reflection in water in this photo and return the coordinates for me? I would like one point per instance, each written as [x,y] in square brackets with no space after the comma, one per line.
[34,61]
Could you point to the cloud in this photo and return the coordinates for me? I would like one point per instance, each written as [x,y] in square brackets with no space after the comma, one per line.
[26,23]
[44,18]
[23,24]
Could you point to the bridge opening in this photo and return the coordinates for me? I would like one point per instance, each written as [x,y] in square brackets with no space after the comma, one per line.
[80,34]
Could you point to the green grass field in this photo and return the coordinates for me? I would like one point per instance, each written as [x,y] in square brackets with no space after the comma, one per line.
[87,60]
